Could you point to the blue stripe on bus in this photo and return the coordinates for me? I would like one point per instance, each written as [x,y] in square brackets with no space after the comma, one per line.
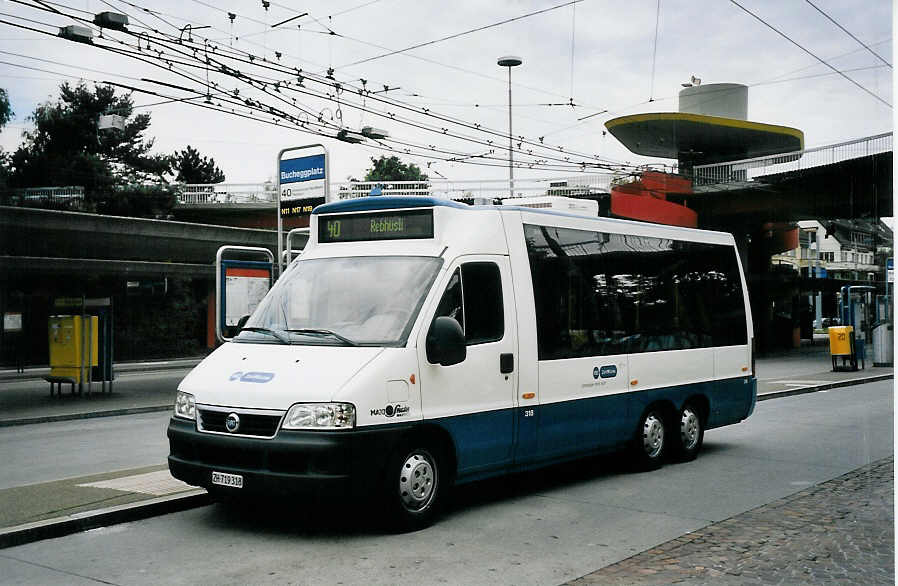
[485,442]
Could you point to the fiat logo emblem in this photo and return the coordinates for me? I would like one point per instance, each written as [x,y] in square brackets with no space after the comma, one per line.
[232,422]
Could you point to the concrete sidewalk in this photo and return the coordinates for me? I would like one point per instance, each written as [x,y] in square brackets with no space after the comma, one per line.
[70,505]
[25,397]
[39,372]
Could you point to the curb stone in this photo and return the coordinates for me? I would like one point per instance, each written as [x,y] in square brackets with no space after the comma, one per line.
[62,526]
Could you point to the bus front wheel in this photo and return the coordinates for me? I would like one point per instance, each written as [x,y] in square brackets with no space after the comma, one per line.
[650,442]
[414,488]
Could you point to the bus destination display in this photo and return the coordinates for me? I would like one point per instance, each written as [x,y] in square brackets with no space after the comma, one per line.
[376,226]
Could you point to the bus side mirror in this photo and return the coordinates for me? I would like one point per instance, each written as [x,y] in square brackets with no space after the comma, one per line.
[446,342]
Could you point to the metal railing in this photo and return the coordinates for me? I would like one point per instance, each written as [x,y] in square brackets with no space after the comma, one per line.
[750,169]
[70,197]
[226,193]
[471,189]
[247,193]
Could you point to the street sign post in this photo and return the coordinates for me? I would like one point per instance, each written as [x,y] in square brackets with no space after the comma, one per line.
[303,182]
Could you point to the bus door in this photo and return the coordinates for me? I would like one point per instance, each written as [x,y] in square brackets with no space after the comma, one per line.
[475,399]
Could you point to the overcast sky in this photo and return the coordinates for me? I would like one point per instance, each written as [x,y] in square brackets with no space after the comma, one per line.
[598,52]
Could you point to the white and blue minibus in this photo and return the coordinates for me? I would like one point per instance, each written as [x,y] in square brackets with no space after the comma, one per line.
[422,343]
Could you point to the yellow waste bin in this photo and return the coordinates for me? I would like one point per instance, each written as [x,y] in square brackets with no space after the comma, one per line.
[73,346]
[842,347]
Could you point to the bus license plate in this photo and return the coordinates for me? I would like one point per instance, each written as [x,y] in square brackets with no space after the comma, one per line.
[223,479]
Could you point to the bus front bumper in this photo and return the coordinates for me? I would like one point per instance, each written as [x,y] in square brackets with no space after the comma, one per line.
[337,464]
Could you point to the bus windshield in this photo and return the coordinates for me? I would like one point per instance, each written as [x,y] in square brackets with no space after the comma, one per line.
[344,301]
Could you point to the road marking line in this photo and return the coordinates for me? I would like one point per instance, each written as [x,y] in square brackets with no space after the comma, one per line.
[798,383]
[159,483]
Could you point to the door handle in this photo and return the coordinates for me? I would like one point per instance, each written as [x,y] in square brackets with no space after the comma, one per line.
[506,363]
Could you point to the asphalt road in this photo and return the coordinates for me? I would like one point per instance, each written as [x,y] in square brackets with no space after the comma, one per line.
[53,451]
[539,528]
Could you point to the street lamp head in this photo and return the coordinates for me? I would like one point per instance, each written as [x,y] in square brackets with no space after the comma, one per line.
[509,61]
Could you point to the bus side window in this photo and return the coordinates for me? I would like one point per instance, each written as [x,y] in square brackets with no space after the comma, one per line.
[482,286]
[473,298]
[451,305]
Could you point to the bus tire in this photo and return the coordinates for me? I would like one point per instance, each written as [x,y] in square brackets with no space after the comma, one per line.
[414,487]
[650,442]
[688,434]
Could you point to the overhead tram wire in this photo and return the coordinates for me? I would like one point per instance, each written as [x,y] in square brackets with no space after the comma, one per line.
[102,47]
[58,73]
[375,45]
[119,9]
[394,103]
[424,59]
[573,37]
[363,42]
[22,18]
[61,64]
[771,81]
[655,51]
[67,7]
[458,157]
[566,159]
[422,155]
[860,42]
[568,165]
[461,34]
[272,81]
[785,36]
[342,12]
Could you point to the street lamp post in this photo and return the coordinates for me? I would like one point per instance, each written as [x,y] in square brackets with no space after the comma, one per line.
[510,61]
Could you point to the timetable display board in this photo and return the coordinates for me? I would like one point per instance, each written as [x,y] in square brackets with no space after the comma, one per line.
[393,225]
[244,285]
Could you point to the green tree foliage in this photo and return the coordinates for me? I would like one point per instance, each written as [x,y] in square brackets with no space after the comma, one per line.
[190,167]
[67,148]
[6,115]
[6,112]
[392,169]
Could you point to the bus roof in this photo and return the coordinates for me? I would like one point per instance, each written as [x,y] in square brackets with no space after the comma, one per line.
[363,204]
[374,203]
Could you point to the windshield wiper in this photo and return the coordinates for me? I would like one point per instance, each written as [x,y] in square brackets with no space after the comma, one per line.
[268,331]
[323,332]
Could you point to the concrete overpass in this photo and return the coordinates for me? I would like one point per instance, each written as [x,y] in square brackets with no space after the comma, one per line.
[57,242]
[847,180]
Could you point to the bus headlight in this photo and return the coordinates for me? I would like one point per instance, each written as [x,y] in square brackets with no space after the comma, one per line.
[185,406]
[320,416]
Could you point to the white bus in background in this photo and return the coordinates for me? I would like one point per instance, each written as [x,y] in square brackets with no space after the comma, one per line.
[422,343]
[557,203]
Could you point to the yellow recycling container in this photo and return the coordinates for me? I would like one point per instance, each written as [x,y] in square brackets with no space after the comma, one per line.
[73,346]
[843,348]
[840,340]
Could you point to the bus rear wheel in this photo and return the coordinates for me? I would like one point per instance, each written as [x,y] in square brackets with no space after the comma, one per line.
[650,442]
[689,434]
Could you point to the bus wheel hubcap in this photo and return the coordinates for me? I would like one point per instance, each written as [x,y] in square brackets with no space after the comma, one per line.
[652,435]
[417,481]
[689,426]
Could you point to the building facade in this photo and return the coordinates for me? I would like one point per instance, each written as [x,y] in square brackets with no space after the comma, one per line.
[849,250]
